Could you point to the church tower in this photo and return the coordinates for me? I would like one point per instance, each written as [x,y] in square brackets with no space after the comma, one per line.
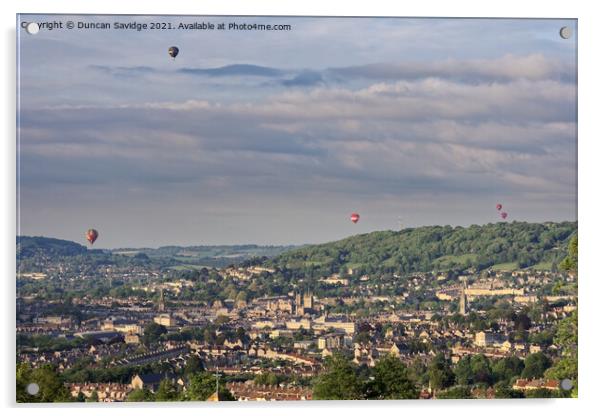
[161,305]
[298,304]
[308,300]
[463,300]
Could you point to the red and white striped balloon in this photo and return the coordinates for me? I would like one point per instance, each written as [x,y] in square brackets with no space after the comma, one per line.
[355,217]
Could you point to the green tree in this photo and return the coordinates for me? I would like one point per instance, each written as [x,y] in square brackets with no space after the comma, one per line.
[570,262]
[507,368]
[202,385]
[167,391]
[540,394]
[440,373]
[505,392]
[458,392]
[463,371]
[481,370]
[418,372]
[391,381]
[266,379]
[535,365]
[193,365]
[152,333]
[241,334]
[339,381]
[209,335]
[566,339]
[140,395]
[566,336]
[23,379]
[51,387]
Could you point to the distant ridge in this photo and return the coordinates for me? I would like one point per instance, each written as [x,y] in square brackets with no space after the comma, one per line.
[30,246]
[207,255]
[433,248]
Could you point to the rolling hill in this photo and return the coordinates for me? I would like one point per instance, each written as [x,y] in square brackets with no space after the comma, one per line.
[49,247]
[433,248]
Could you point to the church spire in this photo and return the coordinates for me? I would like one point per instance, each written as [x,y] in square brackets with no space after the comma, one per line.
[161,305]
[463,300]
[215,396]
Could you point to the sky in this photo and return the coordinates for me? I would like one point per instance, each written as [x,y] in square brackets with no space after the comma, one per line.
[276,137]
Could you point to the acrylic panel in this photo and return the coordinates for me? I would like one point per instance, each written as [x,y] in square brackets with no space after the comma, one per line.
[217,208]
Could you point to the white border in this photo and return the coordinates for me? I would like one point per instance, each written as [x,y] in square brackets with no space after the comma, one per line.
[590,35]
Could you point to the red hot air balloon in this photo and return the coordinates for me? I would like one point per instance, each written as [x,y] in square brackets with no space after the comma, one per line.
[91,235]
[504,215]
[498,207]
[355,217]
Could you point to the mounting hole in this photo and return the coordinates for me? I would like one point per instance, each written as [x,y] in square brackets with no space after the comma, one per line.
[566,384]
[565,32]
[32,28]
[33,389]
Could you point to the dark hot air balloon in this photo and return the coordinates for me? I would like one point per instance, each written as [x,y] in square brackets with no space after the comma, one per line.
[173,51]
[504,215]
[91,235]
[498,207]
[355,217]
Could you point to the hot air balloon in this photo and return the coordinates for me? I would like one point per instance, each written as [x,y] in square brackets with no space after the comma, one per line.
[498,207]
[504,215]
[355,217]
[91,235]
[173,51]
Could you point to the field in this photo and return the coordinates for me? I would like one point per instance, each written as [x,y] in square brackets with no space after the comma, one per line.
[544,265]
[505,266]
[447,262]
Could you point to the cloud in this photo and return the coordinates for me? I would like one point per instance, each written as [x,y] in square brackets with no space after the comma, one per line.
[417,137]
[123,71]
[234,70]
[428,99]
[506,68]
[304,79]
